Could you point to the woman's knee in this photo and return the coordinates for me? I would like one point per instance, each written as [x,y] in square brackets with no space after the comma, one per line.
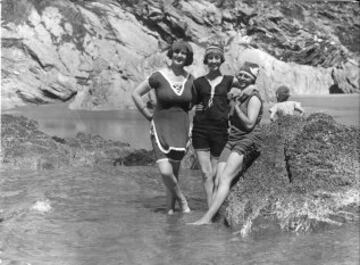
[166,173]
[165,169]
[225,179]
[206,173]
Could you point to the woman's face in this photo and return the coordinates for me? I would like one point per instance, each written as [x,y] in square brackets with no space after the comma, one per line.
[213,61]
[244,79]
[179,57]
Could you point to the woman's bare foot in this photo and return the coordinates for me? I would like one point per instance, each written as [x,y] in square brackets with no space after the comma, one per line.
[171,212]
[184,206]
[186,209]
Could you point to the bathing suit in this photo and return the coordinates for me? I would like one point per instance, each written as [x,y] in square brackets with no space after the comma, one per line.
[209,131]
[241,140]
[170,122]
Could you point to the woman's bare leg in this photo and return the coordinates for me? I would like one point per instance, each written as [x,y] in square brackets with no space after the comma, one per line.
[171,183]
[207,172]
[214,164]
[170,202]
[232,168]
[183,202]
[219,171]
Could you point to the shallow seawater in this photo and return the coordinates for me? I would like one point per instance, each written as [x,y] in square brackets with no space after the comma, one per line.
[116,215]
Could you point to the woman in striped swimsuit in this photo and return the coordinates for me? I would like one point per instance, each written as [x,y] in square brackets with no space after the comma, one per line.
[170,119]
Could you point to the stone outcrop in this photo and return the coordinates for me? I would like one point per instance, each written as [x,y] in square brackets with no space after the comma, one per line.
[306,178]
[93,53]
[24,146]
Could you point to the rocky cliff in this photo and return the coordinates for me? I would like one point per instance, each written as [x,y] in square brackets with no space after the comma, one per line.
[93,53]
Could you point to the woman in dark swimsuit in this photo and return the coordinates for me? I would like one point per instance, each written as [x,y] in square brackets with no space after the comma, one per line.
[209,133]
[170,120]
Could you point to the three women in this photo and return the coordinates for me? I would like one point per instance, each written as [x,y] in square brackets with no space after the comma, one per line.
[175,93]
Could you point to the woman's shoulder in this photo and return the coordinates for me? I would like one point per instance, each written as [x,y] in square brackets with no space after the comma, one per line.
[230,77]
[156,79]
[199,78]
[255,96]
[156,74]
[230,81]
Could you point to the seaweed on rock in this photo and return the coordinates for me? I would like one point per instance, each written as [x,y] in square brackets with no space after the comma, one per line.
[305,177]
[24,146]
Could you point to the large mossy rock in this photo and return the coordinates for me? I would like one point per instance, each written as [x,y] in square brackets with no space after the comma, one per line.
[24,146]
[305,178]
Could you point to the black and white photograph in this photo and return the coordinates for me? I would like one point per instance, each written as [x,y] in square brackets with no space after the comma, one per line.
[180,132]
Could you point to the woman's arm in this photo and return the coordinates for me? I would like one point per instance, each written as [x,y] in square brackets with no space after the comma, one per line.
[273,113]
[136,95]
[195,95]
[249,119]
[299,108]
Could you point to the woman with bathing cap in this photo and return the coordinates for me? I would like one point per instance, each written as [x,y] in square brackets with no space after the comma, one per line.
[170,120]
[209,132]
[243,145]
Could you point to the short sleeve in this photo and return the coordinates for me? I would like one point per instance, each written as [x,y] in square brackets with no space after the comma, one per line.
[297,105]
[153,80]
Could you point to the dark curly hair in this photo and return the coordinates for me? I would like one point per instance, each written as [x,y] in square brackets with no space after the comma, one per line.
[180,44]
[282,93]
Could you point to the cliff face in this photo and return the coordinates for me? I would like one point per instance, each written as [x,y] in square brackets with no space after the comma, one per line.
[93,53]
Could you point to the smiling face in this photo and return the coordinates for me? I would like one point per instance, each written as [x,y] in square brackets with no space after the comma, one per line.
[179,57]
[244,79]
[214,61]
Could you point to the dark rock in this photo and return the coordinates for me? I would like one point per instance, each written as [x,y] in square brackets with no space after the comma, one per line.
[334,89]
[24,146]
[140,157]
[304,177]
[346,77]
